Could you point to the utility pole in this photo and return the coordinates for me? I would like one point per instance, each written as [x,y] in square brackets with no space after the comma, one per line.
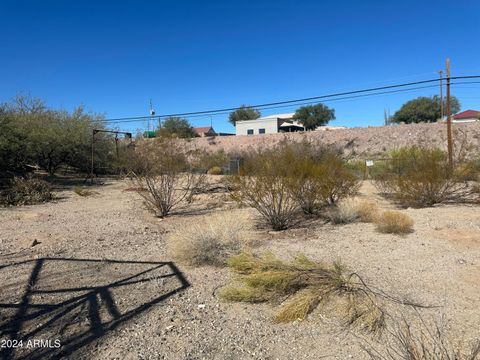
[441,94]
[449,119]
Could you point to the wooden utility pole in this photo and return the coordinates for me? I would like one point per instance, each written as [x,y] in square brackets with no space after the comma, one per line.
[449,119]
[441,94]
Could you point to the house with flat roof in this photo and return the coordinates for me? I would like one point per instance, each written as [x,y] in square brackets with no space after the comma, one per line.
[271,124]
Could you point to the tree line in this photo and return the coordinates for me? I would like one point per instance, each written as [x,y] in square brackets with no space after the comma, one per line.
[35,136]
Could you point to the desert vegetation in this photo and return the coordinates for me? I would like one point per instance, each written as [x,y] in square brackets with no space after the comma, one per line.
[26,191]
[419,176]
[289,178]
[211,240]
[164,170]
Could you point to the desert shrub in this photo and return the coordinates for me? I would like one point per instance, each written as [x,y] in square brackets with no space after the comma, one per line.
[307,284]
[215,170]
[291,176]
[211,240]
[319,183]
[166,176]
[81,191]
[418,176]
[26,191]
[264,184]
[394,222]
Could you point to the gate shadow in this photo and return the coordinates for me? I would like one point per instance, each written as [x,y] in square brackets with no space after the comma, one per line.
[47,308]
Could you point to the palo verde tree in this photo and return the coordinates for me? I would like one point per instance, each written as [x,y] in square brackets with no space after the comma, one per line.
[424,109]
[35,135]
[176,127]
[313,116]
[244,112]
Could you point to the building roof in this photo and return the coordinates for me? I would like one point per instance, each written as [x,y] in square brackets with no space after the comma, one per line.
[203,130]
[286,116]
[467,114]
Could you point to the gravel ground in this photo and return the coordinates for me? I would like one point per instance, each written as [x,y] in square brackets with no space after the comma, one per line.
[100,280]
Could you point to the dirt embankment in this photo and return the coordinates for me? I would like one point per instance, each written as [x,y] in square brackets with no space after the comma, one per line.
[359,142]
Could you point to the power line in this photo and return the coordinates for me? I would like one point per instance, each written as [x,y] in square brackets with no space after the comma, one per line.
[130,120]
[261,106]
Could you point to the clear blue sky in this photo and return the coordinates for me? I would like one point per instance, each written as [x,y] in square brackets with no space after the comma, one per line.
[113,56]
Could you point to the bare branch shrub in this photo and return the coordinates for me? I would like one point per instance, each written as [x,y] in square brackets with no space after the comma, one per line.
[264,184]
[210,240]
[165,173]
[307,284]
[394,222]
[26,191]
[422,342]
[418,176]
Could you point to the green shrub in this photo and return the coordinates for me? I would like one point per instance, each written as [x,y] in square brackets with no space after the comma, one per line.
[417,176]
[27,191]
[308,284]
[316,184]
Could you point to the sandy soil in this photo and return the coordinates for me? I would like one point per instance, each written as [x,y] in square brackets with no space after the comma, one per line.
[101,281]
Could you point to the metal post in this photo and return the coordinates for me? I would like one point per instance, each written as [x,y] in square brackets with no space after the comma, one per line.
[92,162]
[449,120]
[441,94]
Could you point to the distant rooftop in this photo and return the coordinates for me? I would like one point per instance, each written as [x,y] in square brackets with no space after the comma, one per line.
[467,114]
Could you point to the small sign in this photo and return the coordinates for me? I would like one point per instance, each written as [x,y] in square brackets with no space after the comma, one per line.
[369,162]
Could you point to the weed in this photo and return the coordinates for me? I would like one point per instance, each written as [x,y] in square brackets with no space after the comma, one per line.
[81,191]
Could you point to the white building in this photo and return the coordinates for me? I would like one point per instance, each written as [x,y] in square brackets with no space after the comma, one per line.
[271,124]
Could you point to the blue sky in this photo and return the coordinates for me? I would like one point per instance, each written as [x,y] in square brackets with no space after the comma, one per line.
[113,56]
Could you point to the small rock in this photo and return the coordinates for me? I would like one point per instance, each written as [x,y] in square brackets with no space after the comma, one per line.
[201,306]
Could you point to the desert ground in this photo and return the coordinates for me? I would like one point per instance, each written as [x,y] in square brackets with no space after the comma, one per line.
[94,273]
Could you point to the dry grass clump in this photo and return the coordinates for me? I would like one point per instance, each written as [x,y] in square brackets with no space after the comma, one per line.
[81,191]
[367,211]
[351,210]
[344,213]
[307,284]
[26,191]
[394,222]
[211,240]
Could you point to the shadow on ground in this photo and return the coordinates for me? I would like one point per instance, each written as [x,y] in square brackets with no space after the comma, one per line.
[76,301]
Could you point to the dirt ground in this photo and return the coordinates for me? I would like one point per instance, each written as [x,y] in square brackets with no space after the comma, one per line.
[100,280]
